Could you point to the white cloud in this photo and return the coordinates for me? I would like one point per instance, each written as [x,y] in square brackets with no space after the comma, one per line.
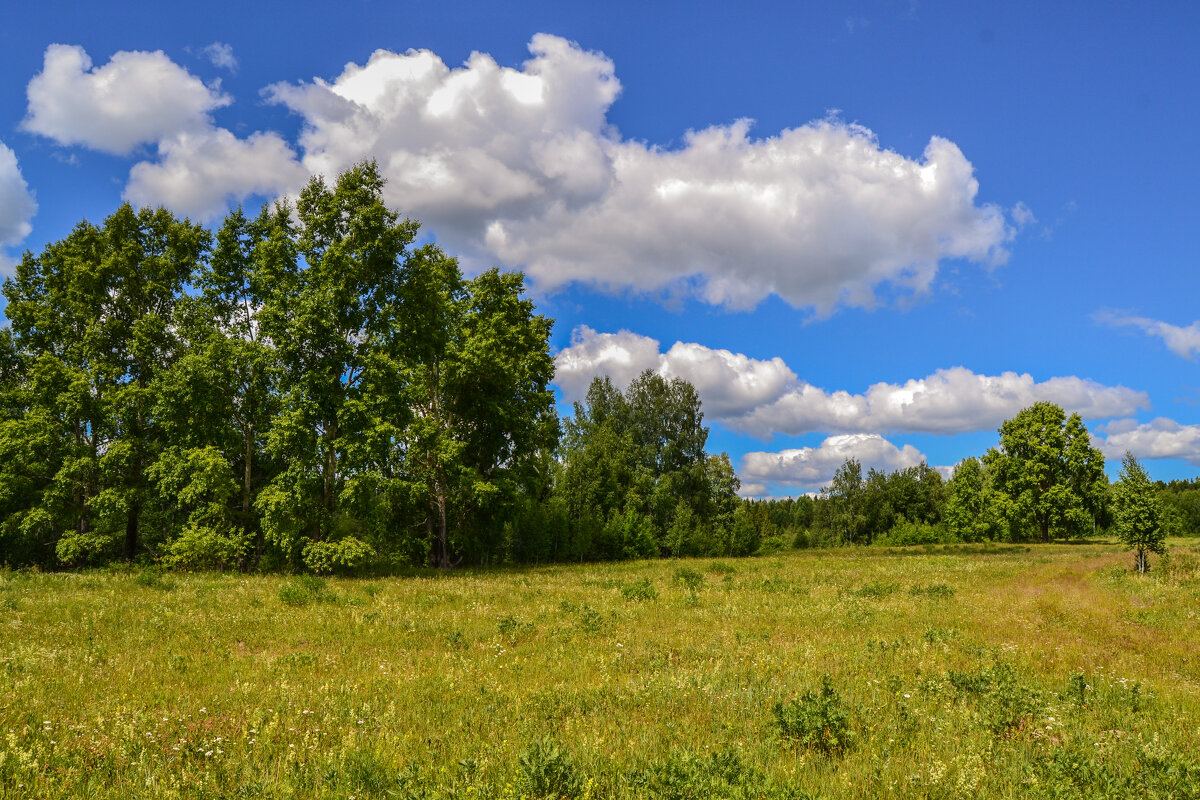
[136,98]
[1182,341]
[813,467]
[199,174]
[17,205]
[728,383]
[765,397]
[1160,438]
[954,400]
[221,55]
[523,166]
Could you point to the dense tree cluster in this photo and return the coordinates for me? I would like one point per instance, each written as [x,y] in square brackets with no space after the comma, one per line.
[307,387]
[310,389]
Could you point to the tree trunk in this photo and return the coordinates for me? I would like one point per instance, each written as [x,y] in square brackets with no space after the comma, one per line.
[131,531]
[329,498]
[443,537]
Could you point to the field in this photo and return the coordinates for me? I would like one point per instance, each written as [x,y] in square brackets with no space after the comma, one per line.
[999,671]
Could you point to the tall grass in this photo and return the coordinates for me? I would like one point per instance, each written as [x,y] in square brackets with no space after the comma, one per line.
[961,672]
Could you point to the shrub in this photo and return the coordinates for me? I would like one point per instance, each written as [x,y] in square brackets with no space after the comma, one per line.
[546,771]
[933,590]
[641,589]
[1003,704]
[907,534]
[876,590]
[154,578]
[816,720]
[303,590]
[689,578]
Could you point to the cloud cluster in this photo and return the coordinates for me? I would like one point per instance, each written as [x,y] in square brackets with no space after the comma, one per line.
[1182,341]
[17,205]
[523,167]
[134,99]
[141,99]
[1160,438]
[808,468]
[765,397]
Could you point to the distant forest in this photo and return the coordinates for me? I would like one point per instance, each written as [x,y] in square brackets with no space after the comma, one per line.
[309,390]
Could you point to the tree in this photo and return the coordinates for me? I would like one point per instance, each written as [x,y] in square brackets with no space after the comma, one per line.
[971,511]
[844,503]
[641,453]
[94,319]
[330,316]
[1138,513]
[1048,472]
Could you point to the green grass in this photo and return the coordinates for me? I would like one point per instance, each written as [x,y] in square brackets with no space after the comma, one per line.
[952,672]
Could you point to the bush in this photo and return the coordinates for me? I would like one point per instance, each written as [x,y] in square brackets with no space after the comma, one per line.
[154,578]
[546,771]
[641,589]
[907,534]
[816,720]
[689,578]
[304,590]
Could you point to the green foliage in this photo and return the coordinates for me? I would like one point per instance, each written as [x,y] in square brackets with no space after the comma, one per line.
[303,590]
[817,721]
[547,771]
[635,480]
[689,578]
[1002,701]
[1050,476]
[907,534]
[1138,513]
[641,589]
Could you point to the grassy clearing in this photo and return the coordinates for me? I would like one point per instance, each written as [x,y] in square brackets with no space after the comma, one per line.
[938,672]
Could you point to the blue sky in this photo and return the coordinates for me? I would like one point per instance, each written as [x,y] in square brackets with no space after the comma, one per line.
[870,229]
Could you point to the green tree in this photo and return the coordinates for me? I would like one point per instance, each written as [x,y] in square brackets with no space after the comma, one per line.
[94,317]
[331,312]
[1048,471]
[971,511]
[645,446]
[844,503]
[1138,513]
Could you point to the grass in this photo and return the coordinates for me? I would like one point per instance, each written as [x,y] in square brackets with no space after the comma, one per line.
[960,672]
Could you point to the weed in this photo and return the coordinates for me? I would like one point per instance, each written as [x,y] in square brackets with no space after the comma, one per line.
[154,578]
[641,589]
[877,590]
[689,578]
[546,771]
[722,568]
[817,721]
[938,590]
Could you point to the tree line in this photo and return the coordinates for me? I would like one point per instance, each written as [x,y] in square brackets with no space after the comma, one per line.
[1043,481]
[311,389]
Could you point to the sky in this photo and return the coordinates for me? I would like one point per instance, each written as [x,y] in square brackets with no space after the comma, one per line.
[871,229]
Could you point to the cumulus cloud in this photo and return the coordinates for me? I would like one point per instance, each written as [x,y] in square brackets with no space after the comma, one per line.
[813,467]
[766,397]
[1160,438]
[1182,341]
[17,205]
[221,55]
[136,98]
[201,173]
[523,166]
[729,383]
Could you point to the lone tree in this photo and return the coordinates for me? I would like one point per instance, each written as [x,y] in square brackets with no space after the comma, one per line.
[1048,471]
[1138,515]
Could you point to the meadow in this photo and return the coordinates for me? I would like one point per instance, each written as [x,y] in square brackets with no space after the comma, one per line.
[958,671]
